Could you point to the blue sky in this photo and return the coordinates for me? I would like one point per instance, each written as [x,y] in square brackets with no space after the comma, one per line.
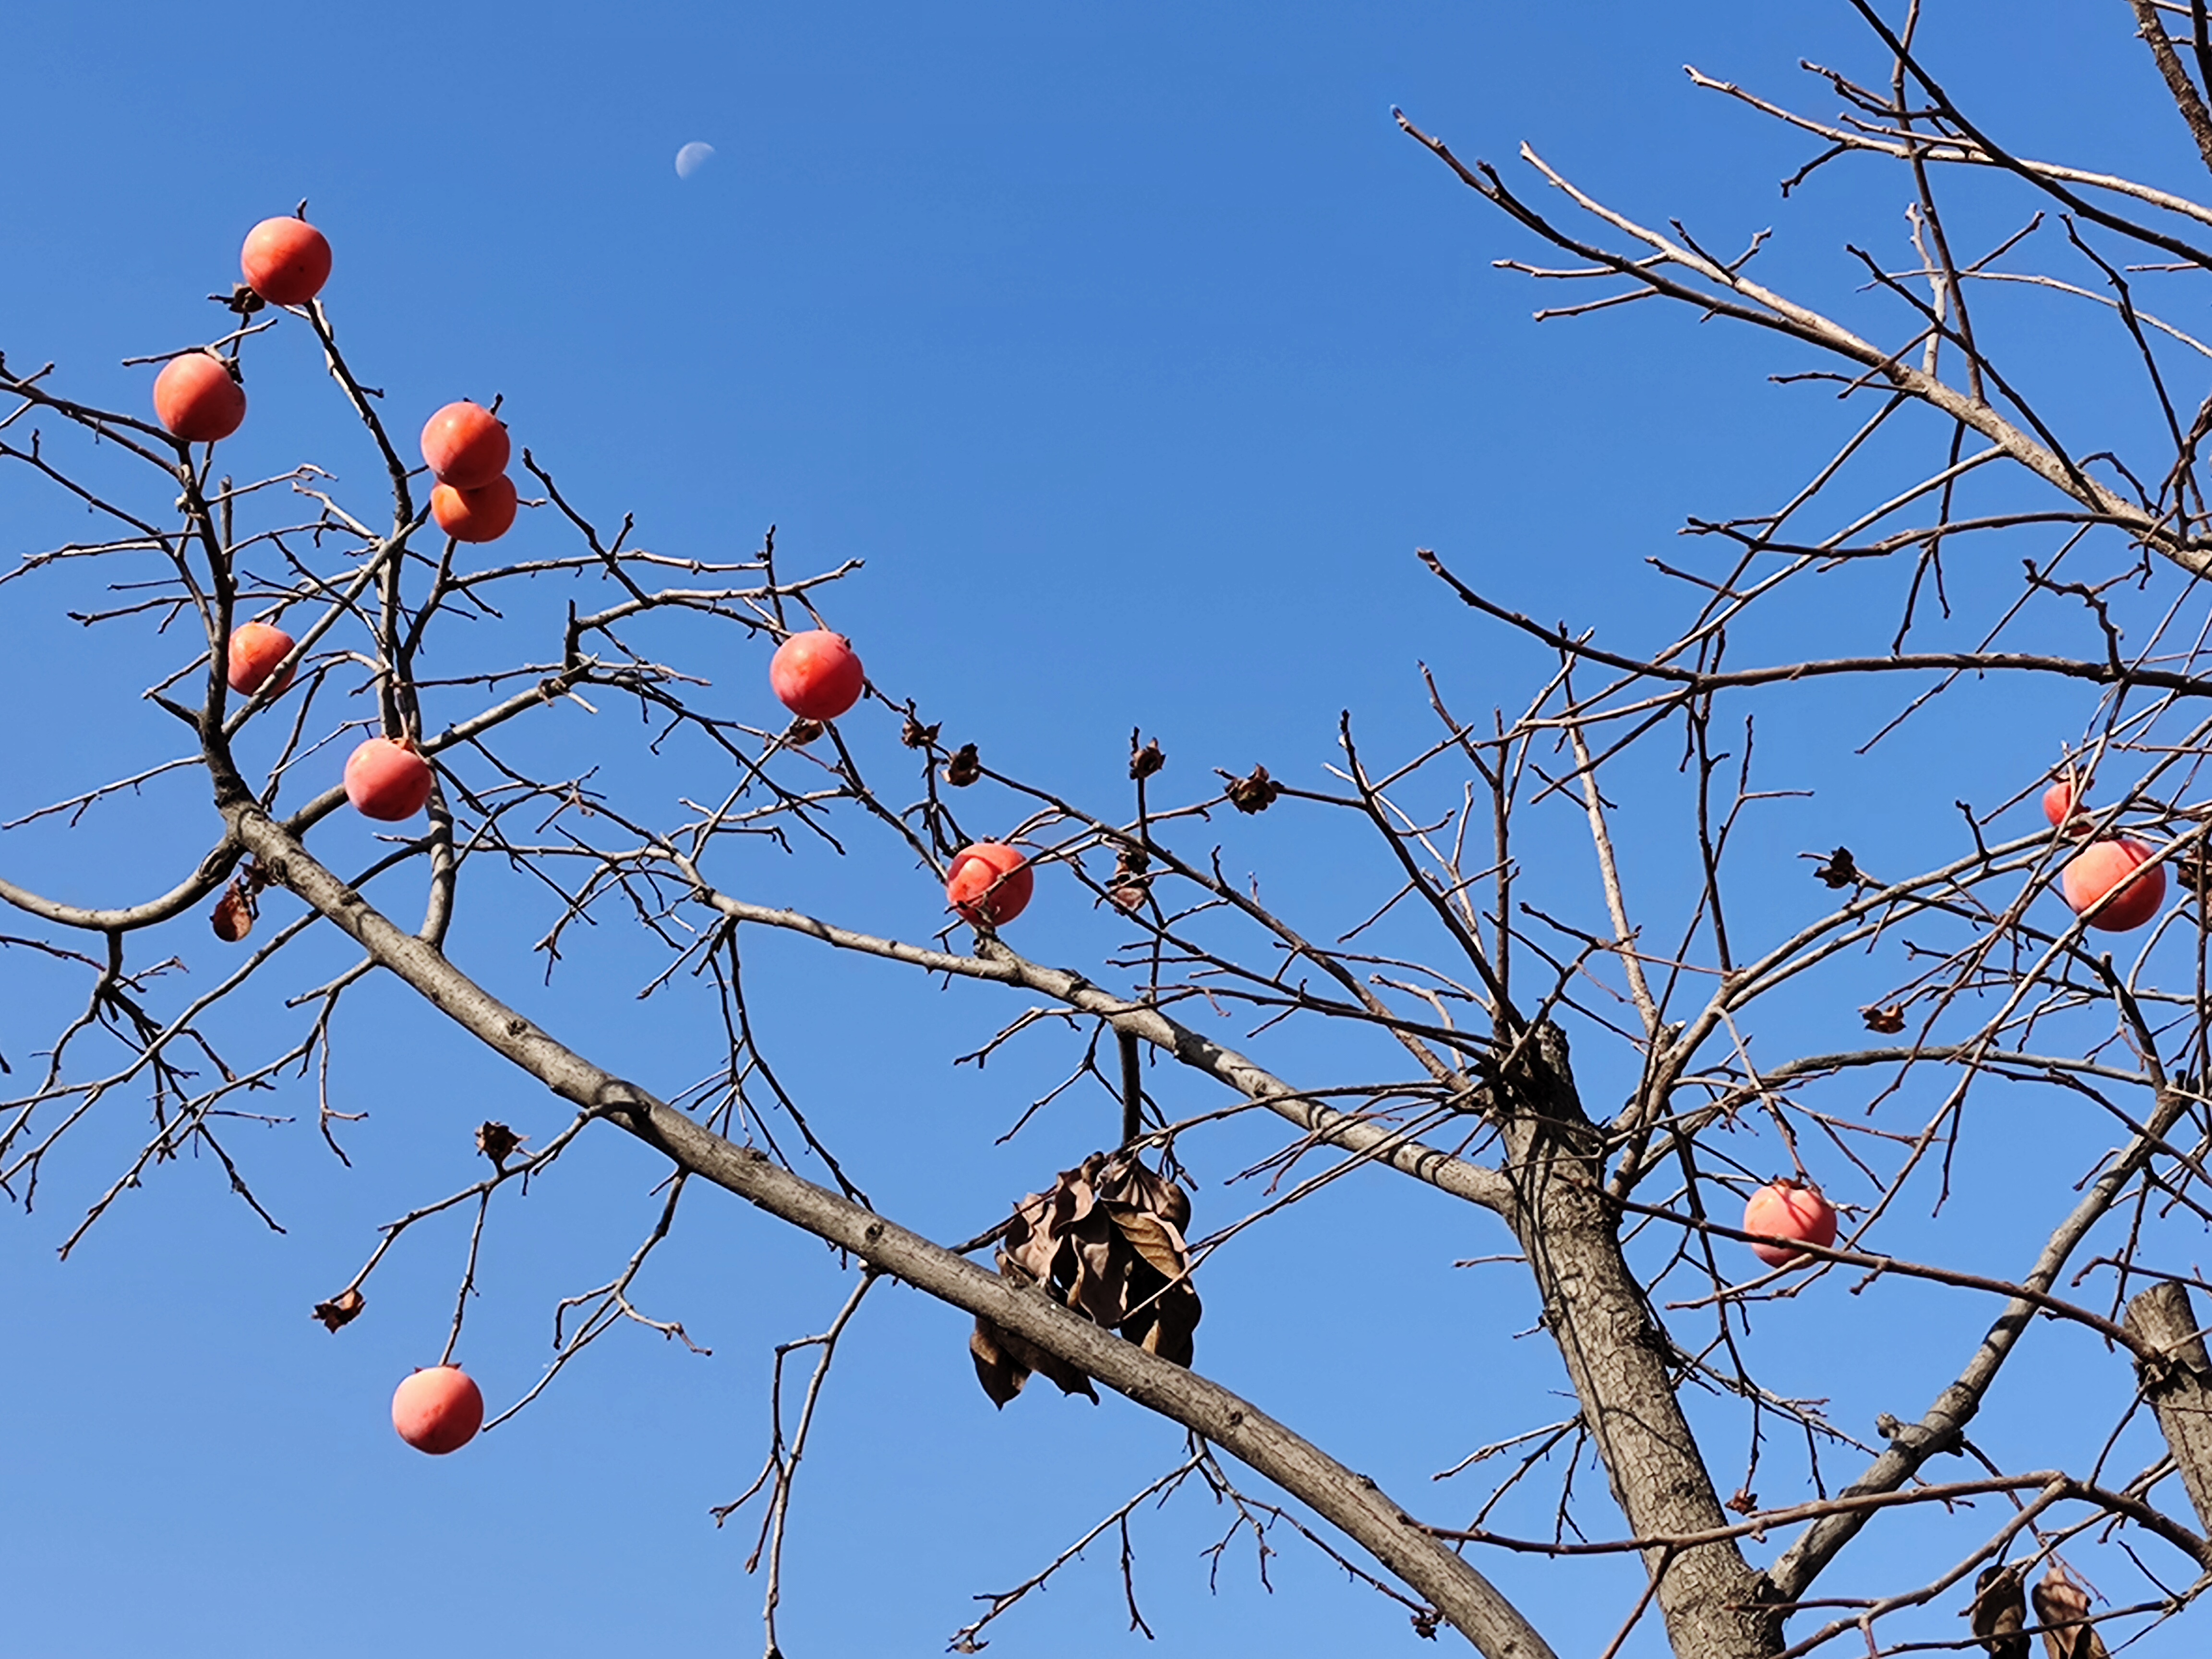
[1134,350]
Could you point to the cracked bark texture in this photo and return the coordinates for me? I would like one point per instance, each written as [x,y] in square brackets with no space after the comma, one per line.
[2180,1388]
[1617,1355]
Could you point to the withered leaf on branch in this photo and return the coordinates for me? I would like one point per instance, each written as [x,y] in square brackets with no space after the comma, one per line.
[1253,793]
[1106,1241]
[1150,1191]
[965,767]
[803,731]
[1838,871]
[1143,763]
[1888,1021]
[1152,1239]
[1130,895]
[233,914]
[2060,1600]
[497,1142]
[1999,1613]
[341,1310]
[1004,1362]
[1001,1377]
[914,735]
[1130,886]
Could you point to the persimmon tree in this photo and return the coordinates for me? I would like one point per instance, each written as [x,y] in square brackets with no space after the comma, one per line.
[1596,1082]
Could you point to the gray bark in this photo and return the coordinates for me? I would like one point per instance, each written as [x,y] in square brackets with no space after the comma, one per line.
[2178,1386]
[1617,1356]
[1350,1501]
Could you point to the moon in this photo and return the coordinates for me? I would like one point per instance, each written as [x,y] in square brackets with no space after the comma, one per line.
[693,157]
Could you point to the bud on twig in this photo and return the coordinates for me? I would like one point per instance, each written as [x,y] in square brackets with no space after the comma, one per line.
[1255,794]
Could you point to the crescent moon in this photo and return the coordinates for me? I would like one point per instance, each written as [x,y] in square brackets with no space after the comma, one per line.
[693,157]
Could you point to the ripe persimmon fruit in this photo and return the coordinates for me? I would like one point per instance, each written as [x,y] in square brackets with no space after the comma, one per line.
[386,780]
[197,396]
[2111,866]
[483,514]
[1793,1210]
[439,1410]
[989,884]
[465,445]
[816,674]
[256,649]
[285,261]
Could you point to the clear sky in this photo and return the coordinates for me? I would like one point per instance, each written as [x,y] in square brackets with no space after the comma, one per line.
[1134,349]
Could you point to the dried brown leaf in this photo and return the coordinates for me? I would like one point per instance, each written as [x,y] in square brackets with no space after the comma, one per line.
[2061,1600]
[1098,1278]
[1036,1256]
[1067,1378]
[965,767]
[1158,1243]
[914,735]
[1129,886]
[1175,1324]
[1839,871]
[802,732]
[1143,762]
[1002,1376]
[1888,1021]
[497,1142]
[232,917]
[1074,1193]
[341,1310]
[1128,1181]
[1999,1613]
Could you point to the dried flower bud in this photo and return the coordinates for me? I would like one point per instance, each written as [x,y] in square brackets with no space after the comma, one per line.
[497,1142]
[1838,871]
[1255,793]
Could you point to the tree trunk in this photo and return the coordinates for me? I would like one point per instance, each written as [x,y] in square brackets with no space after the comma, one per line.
[2179,1387]
[1617,1356]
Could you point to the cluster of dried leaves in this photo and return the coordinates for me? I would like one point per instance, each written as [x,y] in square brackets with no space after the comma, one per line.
[1107,1241]
[2000,1615]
